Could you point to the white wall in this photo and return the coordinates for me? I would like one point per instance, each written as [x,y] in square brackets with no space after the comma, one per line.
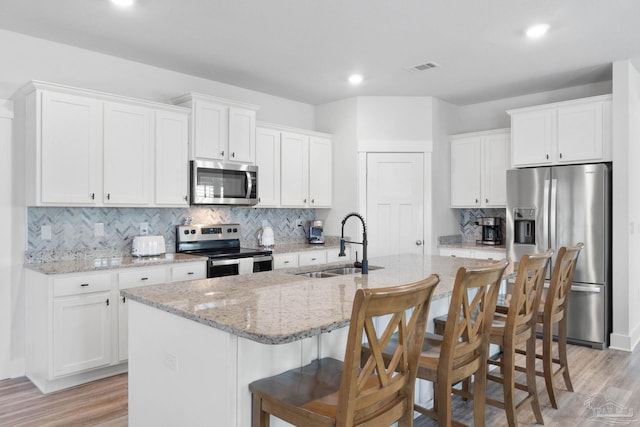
[340,119]
[6,116]
[399,118]
[626,206]
[492,114]
[28,58]
[444,221]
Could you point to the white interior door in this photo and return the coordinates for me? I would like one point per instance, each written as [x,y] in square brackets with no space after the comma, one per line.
[395,203]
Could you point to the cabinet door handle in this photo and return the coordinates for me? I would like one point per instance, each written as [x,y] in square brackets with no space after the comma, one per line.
[222,153]
[476,201]
[233,154]
[304,201]
[560,155]
[313,200]
[186,198]
[144,278]
[107,302]
[286,262]
[124,299]
[547,157]
[108,196]
[84,284]
[93,196]
[190,273]
[486,200]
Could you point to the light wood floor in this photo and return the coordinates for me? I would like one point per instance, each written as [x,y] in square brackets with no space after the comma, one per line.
[612,374]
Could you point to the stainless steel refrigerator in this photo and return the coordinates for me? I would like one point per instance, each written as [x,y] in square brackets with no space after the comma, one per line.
[550,207]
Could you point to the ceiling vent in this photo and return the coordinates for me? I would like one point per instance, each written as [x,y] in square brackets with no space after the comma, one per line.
[422,67]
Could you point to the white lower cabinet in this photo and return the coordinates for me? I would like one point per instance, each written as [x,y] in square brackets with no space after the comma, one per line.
[76,324]
[288,260]
[311,257]
[473,253]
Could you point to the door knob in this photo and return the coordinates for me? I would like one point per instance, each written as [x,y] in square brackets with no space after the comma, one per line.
[418,242]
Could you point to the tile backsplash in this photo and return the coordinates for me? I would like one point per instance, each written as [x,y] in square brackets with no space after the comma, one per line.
[472,232]
[73,229]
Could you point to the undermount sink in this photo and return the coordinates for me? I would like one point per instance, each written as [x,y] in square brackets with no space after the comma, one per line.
[333,272]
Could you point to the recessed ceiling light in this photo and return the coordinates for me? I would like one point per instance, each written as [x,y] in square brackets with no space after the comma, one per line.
[123,3]
[537,31]
[355,79]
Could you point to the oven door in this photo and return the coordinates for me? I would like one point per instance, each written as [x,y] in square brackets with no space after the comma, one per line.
[218,183]
[223,267]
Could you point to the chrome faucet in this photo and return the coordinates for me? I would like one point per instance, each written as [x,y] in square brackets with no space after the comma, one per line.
[365,263]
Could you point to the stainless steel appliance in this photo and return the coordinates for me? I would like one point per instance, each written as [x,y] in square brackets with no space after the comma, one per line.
[316,234]
[550,207]
[221,243]
[491,230]
[219,183]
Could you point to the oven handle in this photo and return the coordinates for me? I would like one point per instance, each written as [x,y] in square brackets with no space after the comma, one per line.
[219,262]
[262,258]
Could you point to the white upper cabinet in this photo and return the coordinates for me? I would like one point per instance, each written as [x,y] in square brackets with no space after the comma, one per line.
[221,129]
[268,162]
[479,163]
[69,150]
[87,148]
[294,167]
[577,131]
[294,172]
[171,160]
[320,172]
[127,154]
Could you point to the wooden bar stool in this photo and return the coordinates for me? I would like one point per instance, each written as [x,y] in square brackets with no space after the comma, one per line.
[328,392]
[554,311]
[515,325]
[462,351]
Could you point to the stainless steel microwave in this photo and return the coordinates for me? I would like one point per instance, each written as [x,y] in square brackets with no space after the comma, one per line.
[219,183]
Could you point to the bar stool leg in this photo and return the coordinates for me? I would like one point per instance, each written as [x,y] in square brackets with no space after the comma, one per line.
[547,362]
[562,353]
[508,364]
[532,389]
[480,395]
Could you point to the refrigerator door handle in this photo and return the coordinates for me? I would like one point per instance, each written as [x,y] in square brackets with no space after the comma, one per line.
[592,289]
[545,221]
[553,222]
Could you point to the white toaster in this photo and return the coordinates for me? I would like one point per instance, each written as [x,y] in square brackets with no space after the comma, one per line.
[147,245]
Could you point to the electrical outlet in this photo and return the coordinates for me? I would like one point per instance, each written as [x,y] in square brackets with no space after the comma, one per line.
[45,232]
[98,229]
[298,222]
[144,228]
[171,361]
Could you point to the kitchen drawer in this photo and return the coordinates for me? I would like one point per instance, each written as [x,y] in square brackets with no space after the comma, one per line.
[453,252]
[141,277]
[191,271]
[312,258]
[84,284]
[285,260]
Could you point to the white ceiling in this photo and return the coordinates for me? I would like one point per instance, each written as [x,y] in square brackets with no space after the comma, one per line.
[305,49]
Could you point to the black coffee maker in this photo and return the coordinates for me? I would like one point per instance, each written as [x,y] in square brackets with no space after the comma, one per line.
[491,230]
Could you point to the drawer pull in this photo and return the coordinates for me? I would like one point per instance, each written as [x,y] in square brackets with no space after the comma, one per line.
[144,278]
[190,273]
[84,284]
[124,299]
[107,302]
[286,262]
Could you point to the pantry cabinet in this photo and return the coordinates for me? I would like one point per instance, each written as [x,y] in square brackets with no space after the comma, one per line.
[479,162]
[577,131]
[294,167]
[222,129]
[87,148]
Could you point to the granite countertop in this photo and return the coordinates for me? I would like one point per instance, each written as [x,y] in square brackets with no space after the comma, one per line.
[107,263]
[473,245]
[279,306]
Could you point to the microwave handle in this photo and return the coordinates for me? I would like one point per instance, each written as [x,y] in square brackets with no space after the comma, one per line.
[249,184]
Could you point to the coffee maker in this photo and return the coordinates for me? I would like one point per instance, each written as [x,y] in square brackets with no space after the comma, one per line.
[491,230]
[316,236]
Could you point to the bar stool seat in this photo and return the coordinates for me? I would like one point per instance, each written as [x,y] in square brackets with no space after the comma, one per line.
[329,392]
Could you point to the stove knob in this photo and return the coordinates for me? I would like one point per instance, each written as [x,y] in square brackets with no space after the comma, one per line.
[186,232]
[235,230]
[193,231]
[228,230]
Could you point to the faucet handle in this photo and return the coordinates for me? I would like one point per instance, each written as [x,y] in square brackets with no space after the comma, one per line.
[357,264]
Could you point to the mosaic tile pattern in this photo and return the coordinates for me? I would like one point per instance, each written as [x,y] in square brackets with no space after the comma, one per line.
[72,229]
[472,232]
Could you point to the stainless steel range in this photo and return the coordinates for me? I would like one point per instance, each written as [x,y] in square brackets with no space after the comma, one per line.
[221,243]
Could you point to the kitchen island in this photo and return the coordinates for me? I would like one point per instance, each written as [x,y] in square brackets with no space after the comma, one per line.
[195,346]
